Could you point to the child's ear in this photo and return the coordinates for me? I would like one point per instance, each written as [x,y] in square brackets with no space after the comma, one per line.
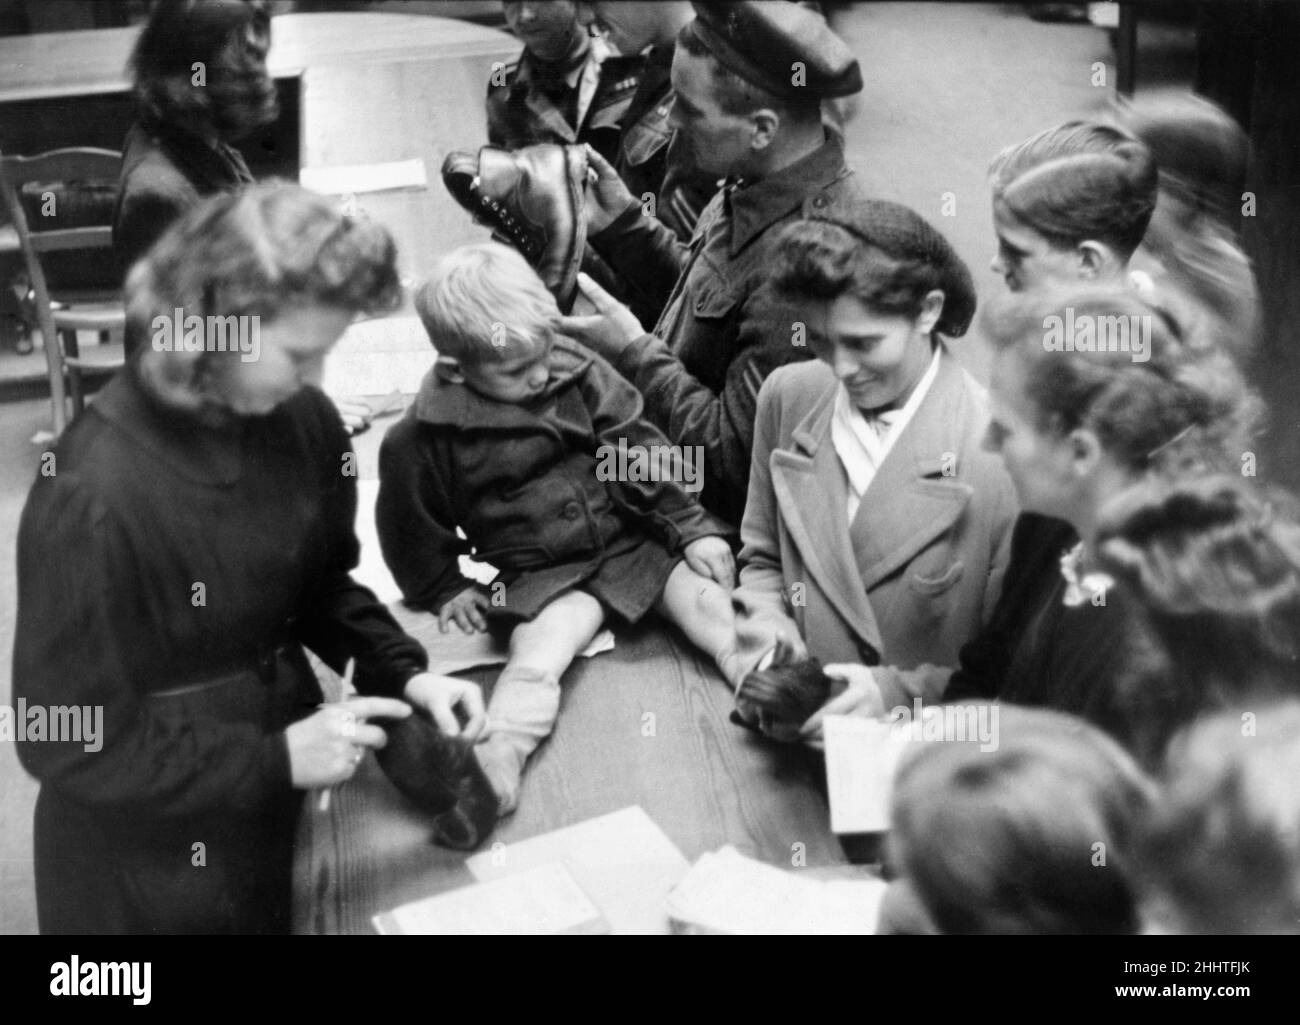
[448,369]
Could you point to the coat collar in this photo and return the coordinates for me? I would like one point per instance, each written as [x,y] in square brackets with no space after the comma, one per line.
[756,207]
[917,494]
[199,453]
[912,499]
[584,77]
[219,165]
[446,402]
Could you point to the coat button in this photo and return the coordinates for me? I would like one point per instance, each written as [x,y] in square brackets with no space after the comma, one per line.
[819,202]
[572,510]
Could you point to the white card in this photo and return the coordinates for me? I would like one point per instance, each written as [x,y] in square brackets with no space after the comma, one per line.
[341,181]
[861,758]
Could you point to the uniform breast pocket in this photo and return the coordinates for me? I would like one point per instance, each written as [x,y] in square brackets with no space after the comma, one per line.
[714,303]
[643,140]
[932,581]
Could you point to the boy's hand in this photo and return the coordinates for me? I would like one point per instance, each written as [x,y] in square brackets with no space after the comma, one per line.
[608,331]
[711,557]
[466,609]
[606,194]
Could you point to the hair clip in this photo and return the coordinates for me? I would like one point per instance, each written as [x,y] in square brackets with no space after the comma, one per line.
[1172,441]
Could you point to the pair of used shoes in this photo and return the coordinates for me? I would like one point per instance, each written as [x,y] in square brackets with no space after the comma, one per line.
[533,197]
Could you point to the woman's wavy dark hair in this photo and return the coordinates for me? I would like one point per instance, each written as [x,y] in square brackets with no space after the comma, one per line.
[258,252]
[1174,412]
[1078,181]
[1215,565]
[884,254]
[181,34]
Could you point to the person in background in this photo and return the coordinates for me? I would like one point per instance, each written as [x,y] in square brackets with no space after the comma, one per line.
[1191,259]
[566,86]
[201,83]
[197,535]
[1214,565]
[515,439]
[650,159]
[875,529]
[1071,204]
[739,114]
[1036,836]
[1220,852]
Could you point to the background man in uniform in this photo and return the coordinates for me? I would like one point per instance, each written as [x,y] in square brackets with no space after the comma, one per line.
[566,87]
[749,79]
[649,161]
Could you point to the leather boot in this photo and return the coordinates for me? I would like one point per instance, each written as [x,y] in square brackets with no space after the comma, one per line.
[534,198]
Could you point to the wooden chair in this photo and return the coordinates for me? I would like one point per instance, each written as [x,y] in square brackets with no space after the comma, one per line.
[61,313]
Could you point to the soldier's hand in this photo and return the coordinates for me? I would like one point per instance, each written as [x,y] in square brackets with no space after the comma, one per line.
[608,331]
[606,195]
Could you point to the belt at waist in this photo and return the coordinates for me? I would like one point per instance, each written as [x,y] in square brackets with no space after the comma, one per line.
[267,662]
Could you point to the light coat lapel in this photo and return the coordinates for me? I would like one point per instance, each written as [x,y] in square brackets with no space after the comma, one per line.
[810,490]
[915,495]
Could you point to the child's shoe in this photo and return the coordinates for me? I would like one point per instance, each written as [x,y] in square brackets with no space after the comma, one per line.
[440,774]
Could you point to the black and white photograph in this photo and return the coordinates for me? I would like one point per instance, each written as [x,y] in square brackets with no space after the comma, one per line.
[651,467]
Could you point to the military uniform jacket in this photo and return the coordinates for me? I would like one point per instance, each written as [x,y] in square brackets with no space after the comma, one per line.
[520,114]
[648,161]
[724,328]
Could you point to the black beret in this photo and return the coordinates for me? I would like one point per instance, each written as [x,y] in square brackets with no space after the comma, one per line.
[903,233]
[782,47]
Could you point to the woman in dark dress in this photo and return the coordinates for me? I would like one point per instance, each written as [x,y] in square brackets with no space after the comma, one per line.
[192,533]
[201,82]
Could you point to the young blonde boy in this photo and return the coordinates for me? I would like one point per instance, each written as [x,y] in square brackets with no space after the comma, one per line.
[536,450]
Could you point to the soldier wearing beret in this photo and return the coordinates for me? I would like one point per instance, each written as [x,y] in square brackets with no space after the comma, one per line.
[566,87]
[749,79]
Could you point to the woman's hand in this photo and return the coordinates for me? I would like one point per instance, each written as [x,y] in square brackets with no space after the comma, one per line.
[711,557]
[326,748]
[861,696]
[608,331]
[441,695]
[606,196]
[466,609]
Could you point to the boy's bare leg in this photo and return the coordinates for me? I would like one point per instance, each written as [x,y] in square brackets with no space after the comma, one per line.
[526,699]
[702,610]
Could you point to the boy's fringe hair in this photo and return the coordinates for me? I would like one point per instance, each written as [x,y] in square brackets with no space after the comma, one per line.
[483,303]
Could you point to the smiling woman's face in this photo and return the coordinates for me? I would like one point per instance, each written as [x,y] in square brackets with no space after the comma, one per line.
[292,353]
[879,357]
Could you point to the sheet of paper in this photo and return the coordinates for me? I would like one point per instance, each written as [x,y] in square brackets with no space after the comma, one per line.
[726,892]
[454,652]
[340,181]
[545,900]
[861,758]
[622,860]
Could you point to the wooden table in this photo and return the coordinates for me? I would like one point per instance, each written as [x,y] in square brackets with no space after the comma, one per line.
[704,781]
